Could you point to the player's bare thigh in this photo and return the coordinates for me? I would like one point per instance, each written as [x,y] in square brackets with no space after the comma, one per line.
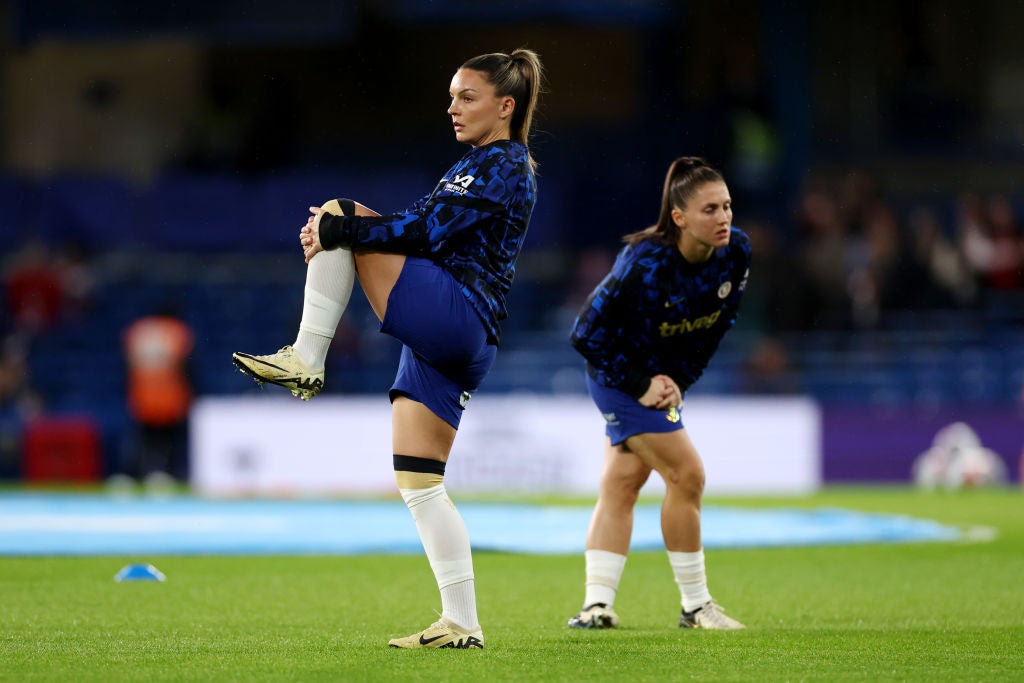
[416,431]
[623,469]
[670,454]
[378,272]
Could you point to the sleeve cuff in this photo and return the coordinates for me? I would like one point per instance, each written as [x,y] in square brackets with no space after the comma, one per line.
[635,385]
[334,231]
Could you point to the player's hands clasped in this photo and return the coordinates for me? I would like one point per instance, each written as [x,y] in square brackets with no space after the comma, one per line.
[662,394]
[309,235]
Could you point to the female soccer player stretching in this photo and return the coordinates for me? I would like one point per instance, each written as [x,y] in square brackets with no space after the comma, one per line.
[437,276]
[647,332]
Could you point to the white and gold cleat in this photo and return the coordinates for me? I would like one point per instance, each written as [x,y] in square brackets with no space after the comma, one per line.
[442,634]
[285,368]
[710,615]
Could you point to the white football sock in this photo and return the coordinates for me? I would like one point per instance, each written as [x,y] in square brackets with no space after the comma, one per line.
[446,542]
[604,570]
[329,279]
[691,578]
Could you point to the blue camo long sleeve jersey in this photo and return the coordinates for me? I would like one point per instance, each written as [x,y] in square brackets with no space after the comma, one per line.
[473,225]
[656,313]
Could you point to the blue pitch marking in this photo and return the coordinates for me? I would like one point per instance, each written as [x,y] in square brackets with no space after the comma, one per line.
[48,524]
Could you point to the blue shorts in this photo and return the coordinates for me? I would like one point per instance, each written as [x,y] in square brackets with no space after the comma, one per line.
[625,417]
[445,354]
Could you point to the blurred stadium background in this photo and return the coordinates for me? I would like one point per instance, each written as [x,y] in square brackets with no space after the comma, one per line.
[874,150]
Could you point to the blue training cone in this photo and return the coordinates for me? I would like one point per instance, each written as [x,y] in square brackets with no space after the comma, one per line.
[140,572]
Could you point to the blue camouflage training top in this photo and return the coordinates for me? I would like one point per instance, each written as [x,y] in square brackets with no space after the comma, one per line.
[656,313]
[473,225]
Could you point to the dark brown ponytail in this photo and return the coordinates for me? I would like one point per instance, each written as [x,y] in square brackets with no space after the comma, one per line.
[684,176]
[517,75]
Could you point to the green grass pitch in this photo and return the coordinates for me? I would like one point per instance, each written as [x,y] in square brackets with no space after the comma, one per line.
[907,612]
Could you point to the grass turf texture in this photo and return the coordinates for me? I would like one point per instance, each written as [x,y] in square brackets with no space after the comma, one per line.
[930,611]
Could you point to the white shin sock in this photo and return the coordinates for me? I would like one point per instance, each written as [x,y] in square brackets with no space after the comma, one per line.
[446,542]
[329,279]
[691,578]
[604,571]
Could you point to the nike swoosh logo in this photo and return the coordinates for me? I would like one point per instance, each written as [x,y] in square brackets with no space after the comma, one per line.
[428,641]
[670,304]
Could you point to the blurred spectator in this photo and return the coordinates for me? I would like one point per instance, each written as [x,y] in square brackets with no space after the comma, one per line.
[991,241]
[973,234]
[78,280]
[936,264]
[767,369]
[1006,269]
[157,349]
[874,258]
[779,296]
[19,403]
[33,290]
[17,397]
[824,256]
[857,197]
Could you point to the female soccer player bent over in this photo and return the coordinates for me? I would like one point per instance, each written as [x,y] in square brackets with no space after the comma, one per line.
[647,332]
[437,276]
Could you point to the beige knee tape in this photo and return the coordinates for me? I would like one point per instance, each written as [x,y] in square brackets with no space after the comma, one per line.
[417,480]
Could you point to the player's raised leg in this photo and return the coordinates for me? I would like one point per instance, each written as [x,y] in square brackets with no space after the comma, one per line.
[299,367]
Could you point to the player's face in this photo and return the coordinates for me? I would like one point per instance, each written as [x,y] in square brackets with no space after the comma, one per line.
[707,218]
[478,114]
